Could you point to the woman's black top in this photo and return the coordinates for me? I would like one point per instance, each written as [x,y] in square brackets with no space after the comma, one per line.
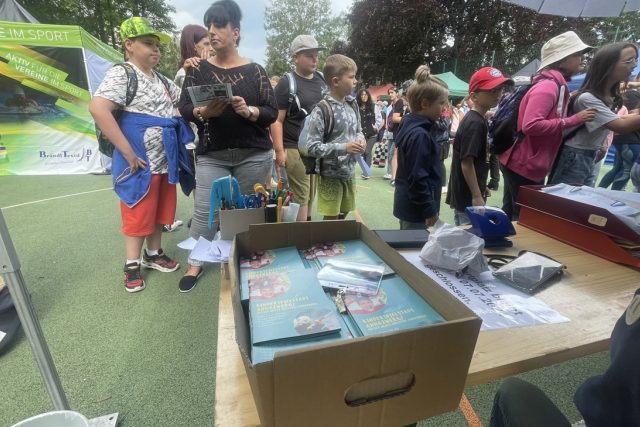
[368,120]
[230,130]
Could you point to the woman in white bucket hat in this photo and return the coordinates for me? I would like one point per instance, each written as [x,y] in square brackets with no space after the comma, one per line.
[542,118]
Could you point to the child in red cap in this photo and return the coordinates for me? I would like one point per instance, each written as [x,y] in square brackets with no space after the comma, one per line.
[470,161]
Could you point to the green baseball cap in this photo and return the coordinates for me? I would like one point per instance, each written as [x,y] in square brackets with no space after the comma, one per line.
[137,26]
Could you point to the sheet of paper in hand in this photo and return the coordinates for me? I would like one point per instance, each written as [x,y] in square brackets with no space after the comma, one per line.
[203,95]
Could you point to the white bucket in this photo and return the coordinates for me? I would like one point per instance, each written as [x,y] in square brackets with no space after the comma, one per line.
[55,419]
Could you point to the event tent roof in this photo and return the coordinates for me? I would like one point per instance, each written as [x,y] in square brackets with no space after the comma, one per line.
[457,87]
[529,69]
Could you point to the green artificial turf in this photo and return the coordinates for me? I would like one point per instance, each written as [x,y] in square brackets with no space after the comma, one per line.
[149,356]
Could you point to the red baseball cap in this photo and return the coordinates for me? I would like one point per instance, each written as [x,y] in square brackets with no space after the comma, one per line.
[487,78]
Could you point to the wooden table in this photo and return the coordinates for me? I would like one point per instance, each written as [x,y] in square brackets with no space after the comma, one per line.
[593,294]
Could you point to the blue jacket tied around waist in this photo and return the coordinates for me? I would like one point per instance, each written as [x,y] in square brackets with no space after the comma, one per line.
[176,132]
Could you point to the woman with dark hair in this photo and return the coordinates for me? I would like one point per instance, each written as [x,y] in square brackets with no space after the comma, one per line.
[542,118]
[371,119]
[194,47]
[600,91]
[233,133]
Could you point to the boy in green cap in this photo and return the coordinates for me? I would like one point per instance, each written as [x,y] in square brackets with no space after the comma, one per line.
[150,155]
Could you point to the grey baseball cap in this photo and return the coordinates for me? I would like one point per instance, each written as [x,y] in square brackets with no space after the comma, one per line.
[304,42]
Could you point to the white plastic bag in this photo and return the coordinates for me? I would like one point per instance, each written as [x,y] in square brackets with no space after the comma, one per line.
[455,249]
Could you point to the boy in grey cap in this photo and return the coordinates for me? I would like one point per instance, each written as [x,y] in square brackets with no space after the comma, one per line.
[308,86]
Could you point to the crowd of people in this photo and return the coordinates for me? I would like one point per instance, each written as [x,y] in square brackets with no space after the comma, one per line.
[273,126]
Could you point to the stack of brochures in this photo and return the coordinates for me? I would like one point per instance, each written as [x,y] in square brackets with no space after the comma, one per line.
[264,263]
[289,310]
[396,306]
[319,254]
[326,293]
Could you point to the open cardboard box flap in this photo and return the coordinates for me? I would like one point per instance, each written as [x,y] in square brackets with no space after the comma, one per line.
[389,379]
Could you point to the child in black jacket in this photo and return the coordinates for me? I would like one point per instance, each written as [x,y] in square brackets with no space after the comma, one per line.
[419,176]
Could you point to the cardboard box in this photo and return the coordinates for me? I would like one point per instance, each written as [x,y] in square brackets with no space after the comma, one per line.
[391,379]
[236,221]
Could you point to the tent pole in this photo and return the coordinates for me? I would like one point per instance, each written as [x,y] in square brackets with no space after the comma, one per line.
[10,269]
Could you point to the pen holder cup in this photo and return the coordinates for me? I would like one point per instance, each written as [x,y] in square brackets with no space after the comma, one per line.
[271,213]
[290,213]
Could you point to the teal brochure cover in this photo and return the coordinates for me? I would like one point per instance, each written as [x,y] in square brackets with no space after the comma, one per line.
[289,306]
[396,306]
[265,352]
[267,262]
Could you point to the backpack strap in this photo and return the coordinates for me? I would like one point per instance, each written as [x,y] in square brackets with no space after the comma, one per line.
[327,116]
[576,129]
[293,96]
[293,89]
[354,105]
[321,75]
[164,80]
[132,82]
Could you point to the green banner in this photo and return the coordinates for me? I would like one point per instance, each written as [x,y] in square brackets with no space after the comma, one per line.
[26,33]
[16,59]
[36,70]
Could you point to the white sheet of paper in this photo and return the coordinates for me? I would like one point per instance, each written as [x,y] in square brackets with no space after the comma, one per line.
[223,247]
[202,251]
[206,251]
[188,243]
[498,305]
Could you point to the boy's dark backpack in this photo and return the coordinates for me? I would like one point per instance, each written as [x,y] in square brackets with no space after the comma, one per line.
[503,126]
[105,146]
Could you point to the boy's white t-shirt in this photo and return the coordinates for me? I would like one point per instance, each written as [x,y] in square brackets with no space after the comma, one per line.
[151,98]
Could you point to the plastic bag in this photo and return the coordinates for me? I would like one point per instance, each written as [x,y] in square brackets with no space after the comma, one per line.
[455,249]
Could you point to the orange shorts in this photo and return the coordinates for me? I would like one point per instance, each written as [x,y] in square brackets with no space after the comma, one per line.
[158,207]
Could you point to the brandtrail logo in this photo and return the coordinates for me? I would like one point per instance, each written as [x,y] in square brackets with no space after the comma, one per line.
[78,156]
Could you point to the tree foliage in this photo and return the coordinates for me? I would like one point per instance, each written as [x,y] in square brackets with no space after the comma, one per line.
[389,39]
[170,58]
[101,18]
[286,19]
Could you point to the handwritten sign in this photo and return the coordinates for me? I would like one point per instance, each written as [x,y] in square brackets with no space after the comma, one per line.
[498,305]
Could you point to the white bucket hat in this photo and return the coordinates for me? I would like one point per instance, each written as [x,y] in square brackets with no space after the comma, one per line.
[560,47]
